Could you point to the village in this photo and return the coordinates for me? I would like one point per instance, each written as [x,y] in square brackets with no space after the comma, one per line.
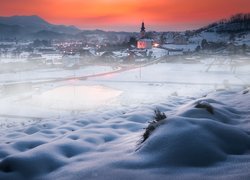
[142,47]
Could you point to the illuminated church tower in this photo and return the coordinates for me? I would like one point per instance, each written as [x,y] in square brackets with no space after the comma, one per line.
[143,42]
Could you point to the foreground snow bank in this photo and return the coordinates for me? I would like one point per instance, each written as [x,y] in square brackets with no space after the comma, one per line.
[206,138]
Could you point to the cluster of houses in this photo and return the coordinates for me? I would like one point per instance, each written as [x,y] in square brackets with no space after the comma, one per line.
[173,43]
[68,54]
[74,53]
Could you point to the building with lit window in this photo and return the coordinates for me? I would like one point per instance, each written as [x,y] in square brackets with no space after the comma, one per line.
[143,42]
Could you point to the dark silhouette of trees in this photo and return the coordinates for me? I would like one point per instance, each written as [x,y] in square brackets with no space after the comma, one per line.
[132,41]
[236,23]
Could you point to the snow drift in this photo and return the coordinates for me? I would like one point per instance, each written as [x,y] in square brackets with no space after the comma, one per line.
[206,138]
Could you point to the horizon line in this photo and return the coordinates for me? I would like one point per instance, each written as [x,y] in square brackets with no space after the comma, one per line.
[111,30]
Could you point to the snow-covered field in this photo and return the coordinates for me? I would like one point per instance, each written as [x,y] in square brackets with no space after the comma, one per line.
[143,85]
[191,143]
[91,129]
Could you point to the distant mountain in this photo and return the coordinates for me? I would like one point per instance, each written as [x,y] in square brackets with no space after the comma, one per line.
[34,27]
[24,26]
[10,30]
[47,35]
[25,21]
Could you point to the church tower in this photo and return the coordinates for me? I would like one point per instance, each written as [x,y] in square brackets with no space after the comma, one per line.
[143,42]
[143,30]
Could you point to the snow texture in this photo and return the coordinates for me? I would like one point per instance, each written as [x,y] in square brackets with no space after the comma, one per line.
[205,138]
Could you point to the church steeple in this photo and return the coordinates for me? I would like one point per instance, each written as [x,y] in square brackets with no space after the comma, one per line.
[143,29]
[143,41]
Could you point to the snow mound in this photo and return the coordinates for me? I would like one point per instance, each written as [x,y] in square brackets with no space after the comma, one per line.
[207,137]
[195,141]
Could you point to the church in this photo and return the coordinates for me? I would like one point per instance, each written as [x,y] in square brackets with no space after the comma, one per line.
[143,42]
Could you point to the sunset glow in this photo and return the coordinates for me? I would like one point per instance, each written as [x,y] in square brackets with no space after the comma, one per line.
[127,14]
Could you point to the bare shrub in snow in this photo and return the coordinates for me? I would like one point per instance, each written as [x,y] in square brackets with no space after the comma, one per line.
[245,91]
[159,117]
[205,105]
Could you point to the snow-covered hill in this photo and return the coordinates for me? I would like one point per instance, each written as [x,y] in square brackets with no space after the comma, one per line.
[235,30]
[204,138]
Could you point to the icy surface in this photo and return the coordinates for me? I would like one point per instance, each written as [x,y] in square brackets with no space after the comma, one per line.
[191,143]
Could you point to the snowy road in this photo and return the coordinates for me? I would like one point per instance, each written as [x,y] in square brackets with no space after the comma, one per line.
[239,84]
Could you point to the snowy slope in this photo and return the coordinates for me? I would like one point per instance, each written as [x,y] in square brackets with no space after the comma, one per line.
[193,142]
[210,36]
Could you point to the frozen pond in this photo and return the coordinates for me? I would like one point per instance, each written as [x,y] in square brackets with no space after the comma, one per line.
[75,97]
[46,102]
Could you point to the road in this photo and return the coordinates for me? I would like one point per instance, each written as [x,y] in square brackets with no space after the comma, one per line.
[120,69]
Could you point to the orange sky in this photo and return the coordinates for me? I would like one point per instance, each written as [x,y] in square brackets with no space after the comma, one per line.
[127,14]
